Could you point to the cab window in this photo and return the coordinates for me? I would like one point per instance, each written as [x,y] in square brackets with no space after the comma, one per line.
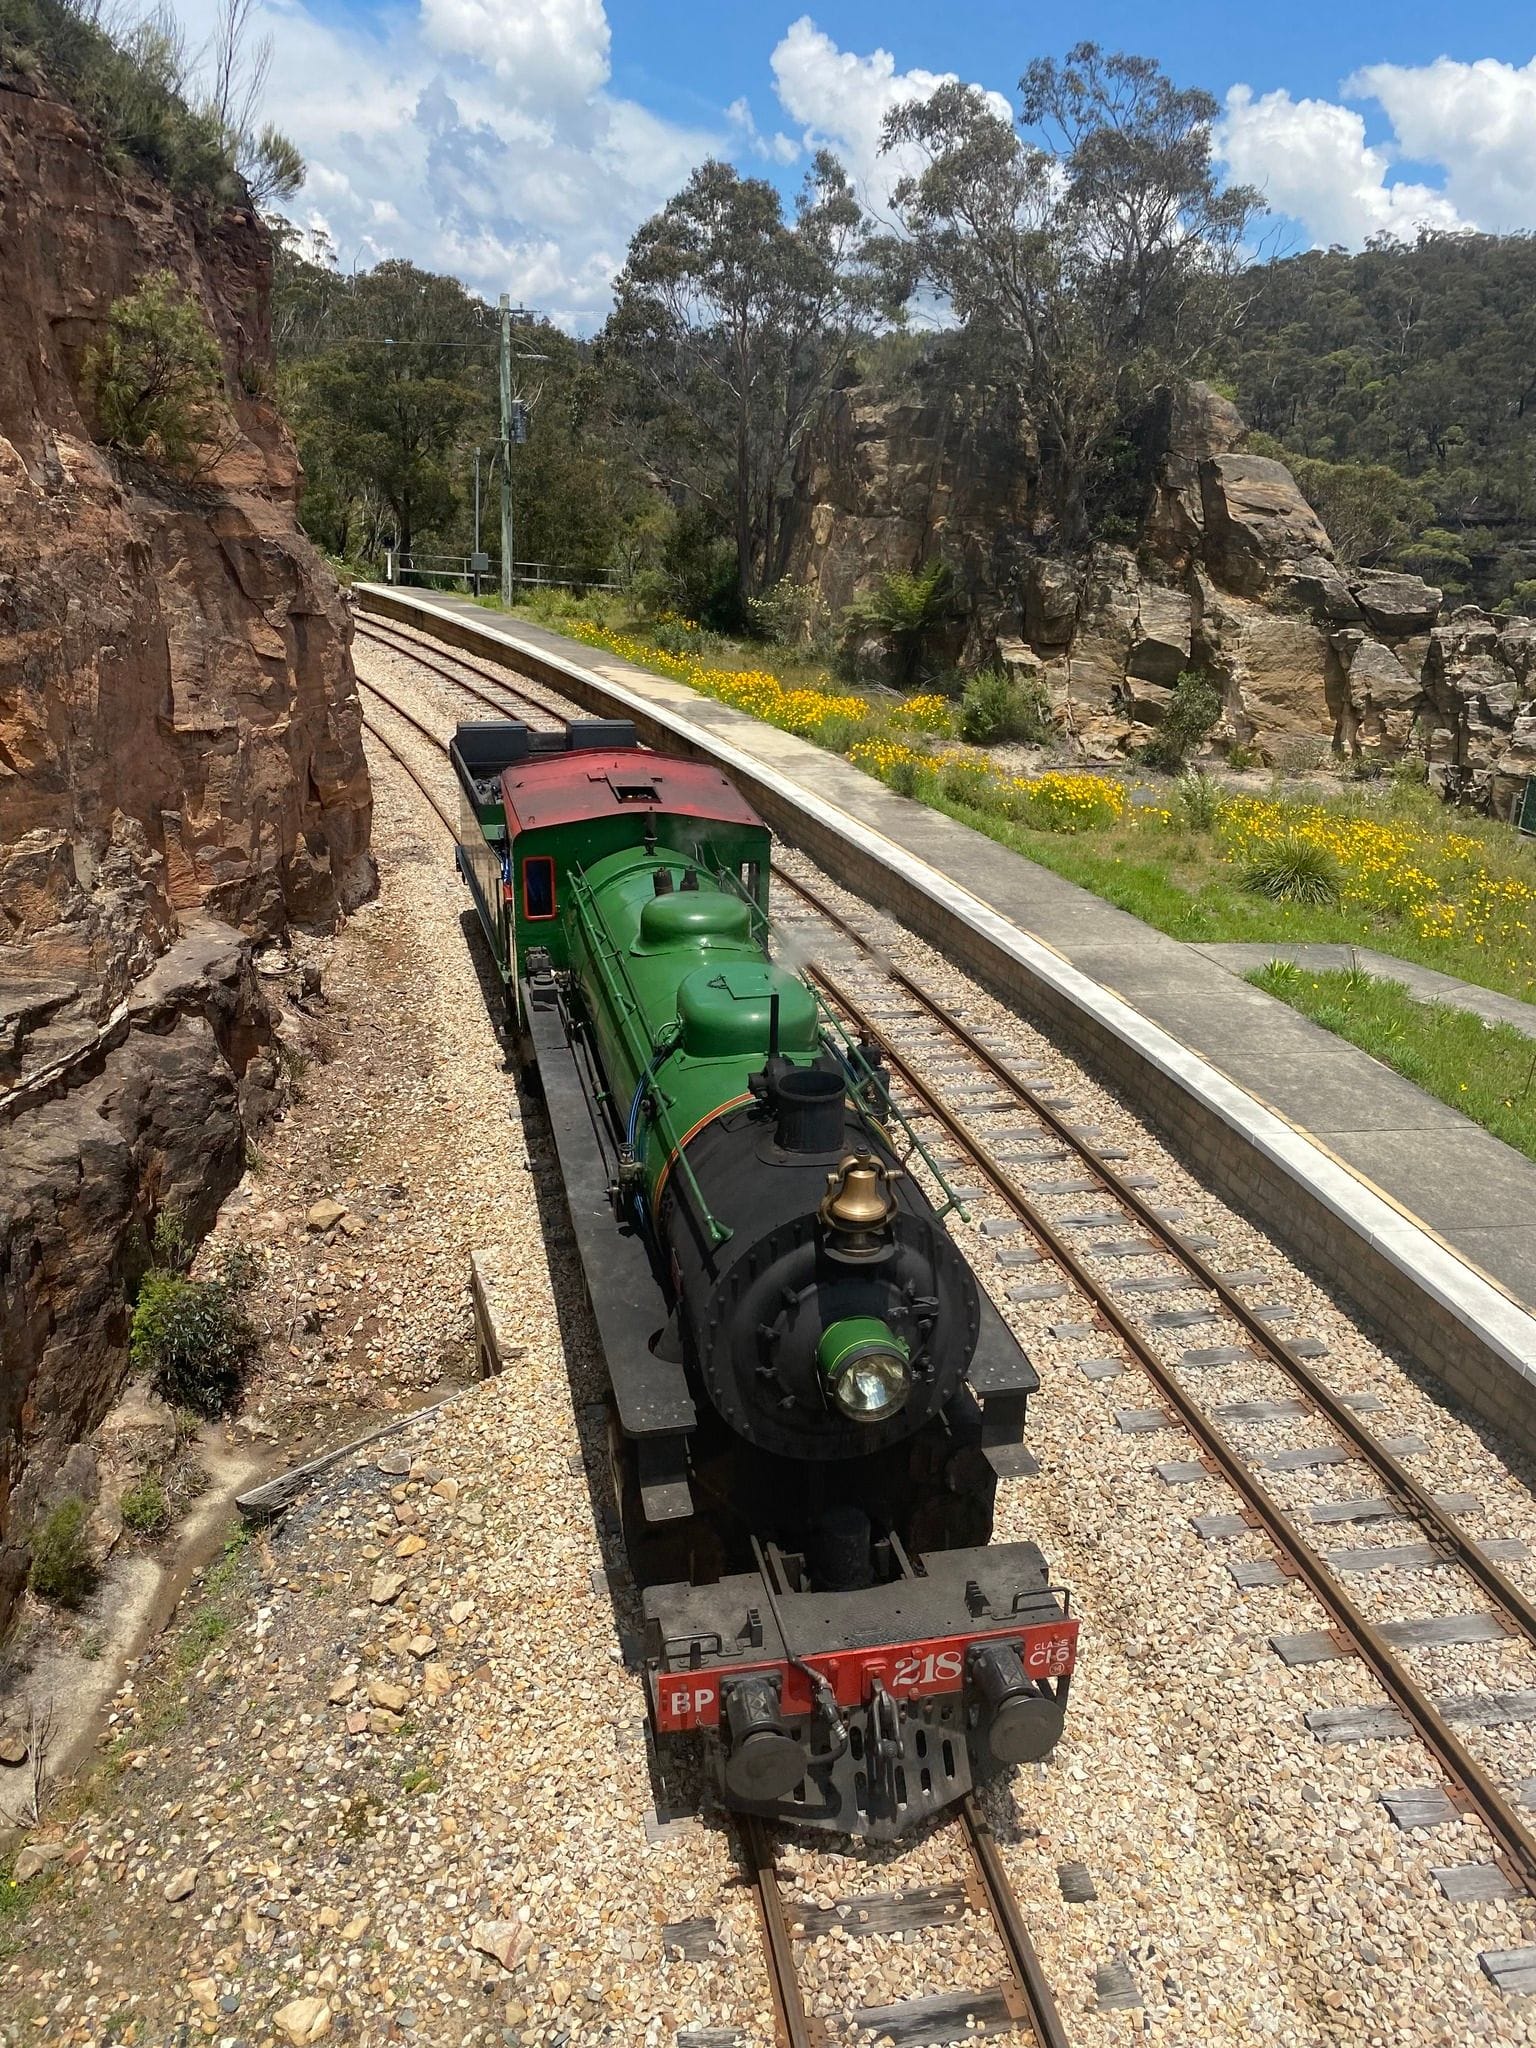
[539,887]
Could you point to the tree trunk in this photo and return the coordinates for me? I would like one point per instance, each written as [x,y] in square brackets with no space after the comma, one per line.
[743,512]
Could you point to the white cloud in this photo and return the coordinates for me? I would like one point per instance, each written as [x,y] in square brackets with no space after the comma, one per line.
[841,101]
[1475,123]
[777,149]
[1311,161]
[477,136]
[1477,120]
[539,49]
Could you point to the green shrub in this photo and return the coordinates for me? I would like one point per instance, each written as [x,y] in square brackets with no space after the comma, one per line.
[904,776]
[1188,718]
[968,783]
[144,1507]
[1294,870]
[157,381]
[193,1338]
[1199,802]
[840,730]
[906,607]
[1410,772]
[168,1239]
[793,615]
[63,1570]
[998,707]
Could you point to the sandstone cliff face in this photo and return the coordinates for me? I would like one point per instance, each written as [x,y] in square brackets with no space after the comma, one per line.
[180,764]
[1233,573]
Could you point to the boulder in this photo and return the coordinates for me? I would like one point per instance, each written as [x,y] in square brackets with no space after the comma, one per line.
[1255,519]
[1318,586]
[1395,603]
[1384,699]
[1107,628]
[1160,645]
[1051,593]
[1285,685]
[1195,425]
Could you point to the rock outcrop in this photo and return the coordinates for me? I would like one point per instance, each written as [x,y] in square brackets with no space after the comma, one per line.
[181,769]
[1232,574]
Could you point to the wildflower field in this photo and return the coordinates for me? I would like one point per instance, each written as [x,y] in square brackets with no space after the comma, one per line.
[1392,868]
[1380,864]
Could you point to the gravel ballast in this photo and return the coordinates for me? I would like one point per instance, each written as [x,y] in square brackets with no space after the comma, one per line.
[394,1740]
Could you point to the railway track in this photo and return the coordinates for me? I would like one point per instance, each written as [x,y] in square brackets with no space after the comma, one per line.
[1121,1305]
[1021,2002]
[889,1006]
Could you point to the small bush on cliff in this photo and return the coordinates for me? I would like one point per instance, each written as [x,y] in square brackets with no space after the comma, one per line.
[1189,717]
[194,1338]
[144,1507]
[63,1570]
[187,113]
[157,381]
[998,707]
[906,608]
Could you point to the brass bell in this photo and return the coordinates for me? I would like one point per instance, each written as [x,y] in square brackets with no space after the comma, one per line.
[858,1207]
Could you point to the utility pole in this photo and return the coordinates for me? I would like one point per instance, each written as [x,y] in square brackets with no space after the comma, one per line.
[506,450]
[514,428]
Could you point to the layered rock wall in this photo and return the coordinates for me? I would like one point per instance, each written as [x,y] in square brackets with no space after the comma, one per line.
[1232,574]
[181,769]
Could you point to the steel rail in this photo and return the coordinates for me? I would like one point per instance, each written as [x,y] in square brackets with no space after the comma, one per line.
[1003,1905]
[395,754]
[1468,1780]
[794,2024]
[400,712]
[372,631]
[1518,1609]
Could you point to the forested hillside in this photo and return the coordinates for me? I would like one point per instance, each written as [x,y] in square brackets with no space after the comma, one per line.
[1401,385]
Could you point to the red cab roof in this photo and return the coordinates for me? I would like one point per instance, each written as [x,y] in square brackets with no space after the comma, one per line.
[562,789]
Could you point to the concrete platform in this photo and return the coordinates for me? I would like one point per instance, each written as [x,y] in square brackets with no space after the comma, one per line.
[1418,1216]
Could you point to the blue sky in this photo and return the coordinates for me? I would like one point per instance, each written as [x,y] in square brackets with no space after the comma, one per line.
[518,143]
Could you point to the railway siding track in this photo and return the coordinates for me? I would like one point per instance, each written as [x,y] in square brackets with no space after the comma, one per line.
[988,1082]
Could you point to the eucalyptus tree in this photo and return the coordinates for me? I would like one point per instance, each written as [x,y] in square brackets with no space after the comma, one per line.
[1088,244]
[734,325]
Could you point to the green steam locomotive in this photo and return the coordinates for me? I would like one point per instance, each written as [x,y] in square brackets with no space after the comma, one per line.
[811,1397]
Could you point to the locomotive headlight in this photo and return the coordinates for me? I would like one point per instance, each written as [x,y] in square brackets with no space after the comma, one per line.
[866,1368]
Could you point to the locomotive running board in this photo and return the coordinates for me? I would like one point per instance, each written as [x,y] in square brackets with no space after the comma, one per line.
[655,1407]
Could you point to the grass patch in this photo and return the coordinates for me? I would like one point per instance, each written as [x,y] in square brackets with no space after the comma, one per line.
[1488,1072]
[144,1507]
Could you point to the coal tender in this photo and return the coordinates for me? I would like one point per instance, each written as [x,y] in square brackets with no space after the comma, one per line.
[812,1400]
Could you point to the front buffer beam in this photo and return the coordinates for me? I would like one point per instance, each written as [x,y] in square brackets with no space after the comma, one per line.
[865,1711]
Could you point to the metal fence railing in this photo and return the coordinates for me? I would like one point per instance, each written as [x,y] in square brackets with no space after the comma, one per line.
[479,573]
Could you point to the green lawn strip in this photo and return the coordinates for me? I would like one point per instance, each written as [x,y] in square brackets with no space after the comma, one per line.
[1487,1071]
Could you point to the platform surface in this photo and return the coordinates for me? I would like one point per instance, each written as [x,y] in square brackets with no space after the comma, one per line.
[1474,1193]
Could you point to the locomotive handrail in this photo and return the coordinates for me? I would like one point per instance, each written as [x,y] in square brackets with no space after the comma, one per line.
[608,962]
[851,1054]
